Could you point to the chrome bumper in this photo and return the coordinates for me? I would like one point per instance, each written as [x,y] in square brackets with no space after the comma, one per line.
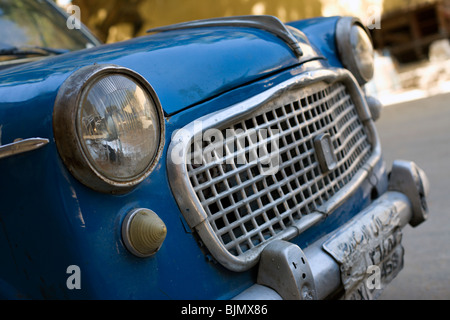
[336,263]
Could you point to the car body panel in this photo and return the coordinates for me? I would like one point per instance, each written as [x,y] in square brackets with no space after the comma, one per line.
[321,34]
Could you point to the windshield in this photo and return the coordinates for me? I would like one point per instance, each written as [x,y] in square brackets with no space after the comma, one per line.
[37,23]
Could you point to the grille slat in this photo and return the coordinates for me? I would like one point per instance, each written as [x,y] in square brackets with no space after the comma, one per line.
[245,207]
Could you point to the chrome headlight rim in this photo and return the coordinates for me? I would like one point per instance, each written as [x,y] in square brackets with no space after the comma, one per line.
[345,49]
[66,117]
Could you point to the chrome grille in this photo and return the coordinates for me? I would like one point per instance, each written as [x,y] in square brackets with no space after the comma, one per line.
[236,200]
[244,205]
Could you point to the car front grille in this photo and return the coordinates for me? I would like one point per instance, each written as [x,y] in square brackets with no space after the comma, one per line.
[264,176]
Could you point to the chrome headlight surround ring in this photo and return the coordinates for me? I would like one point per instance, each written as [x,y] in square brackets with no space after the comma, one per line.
[349,59]
[66,123]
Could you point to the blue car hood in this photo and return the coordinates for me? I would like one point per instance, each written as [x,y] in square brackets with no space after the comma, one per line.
[184,67]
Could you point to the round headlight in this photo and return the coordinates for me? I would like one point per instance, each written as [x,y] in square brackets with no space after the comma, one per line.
[355,48]
[118,127]
[109,127]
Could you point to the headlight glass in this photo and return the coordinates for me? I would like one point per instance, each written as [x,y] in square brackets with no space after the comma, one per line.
[109,127]
[119,127]
[355,48]
[363,51]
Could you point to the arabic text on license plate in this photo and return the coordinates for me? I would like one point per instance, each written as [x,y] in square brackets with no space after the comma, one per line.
[369,252]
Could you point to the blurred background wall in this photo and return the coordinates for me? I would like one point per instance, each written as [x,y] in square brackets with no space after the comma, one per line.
[116,20]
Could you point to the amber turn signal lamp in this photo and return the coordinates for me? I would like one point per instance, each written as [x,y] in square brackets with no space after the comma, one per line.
[143,232]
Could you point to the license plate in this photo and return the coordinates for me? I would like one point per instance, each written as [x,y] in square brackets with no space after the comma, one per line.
[369,252]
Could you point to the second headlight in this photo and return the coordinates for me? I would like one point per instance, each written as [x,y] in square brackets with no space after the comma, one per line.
[355,48]
[109,127]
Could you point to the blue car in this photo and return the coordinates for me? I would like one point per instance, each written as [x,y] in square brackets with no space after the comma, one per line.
[229,158]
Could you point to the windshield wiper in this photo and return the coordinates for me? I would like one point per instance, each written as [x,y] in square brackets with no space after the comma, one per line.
[31,50]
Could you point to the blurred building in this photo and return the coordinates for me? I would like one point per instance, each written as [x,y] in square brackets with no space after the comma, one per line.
[411,28]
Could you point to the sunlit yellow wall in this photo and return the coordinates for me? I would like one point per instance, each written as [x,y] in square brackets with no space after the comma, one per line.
[164,12]
[161,12]
[391,5]
[107,17]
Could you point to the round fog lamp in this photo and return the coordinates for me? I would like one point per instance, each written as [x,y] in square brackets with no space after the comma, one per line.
[143,232]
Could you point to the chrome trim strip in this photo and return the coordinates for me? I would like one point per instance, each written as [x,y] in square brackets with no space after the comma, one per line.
[188,201]
[22,146]
[264,22]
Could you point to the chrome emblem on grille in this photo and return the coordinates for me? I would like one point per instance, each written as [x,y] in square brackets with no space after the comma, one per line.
[325,152]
